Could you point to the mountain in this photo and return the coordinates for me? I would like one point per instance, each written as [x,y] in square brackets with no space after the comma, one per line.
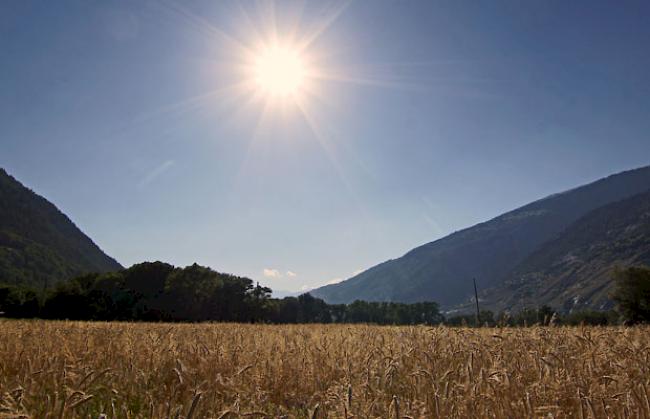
[574,270]
[39,245]
[442,270]
[285,293]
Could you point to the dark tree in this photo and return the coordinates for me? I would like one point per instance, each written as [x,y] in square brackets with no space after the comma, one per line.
[632,294]
[158,291]
[19,302]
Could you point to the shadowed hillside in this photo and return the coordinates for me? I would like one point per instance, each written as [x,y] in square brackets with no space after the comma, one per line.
[574,270]
[442,270]
[39,245]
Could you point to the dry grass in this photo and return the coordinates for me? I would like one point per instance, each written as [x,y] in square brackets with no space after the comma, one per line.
[77,369]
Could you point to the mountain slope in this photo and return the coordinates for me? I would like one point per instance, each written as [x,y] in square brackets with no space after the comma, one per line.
[442,270]
[39,245]
[575,269]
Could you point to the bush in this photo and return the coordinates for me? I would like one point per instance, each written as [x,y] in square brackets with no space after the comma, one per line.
[632,294]
[591,318]
[18,302]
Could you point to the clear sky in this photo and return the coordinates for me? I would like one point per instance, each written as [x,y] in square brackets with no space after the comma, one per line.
[422,118]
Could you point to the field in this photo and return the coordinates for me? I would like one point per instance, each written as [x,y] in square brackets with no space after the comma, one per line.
[83,370]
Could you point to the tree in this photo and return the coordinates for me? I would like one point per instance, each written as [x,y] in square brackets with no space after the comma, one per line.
[146,284]
[67,301]
[18,302]
[156,291]
[191,292]
[632,294]
[312,310]
[544,315]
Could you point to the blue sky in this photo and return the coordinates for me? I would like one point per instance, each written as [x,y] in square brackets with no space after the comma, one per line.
[442,115]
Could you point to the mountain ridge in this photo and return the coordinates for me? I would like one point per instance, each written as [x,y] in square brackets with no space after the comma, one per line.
[574,270]
[39,244]
[442,270]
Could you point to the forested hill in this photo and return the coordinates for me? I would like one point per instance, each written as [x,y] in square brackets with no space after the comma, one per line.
[574,271]
[442,270]
[39,245]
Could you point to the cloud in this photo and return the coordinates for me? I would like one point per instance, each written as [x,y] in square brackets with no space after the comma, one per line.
[272,273]
[275,273]
[305,288]
[334,281]
[156,172]
[339,279]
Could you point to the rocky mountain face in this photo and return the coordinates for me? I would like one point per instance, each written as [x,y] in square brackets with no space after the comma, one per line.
[39,245]
[574,270]
[442,270]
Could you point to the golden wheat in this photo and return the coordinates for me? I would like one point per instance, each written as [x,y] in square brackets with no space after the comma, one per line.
[127,370]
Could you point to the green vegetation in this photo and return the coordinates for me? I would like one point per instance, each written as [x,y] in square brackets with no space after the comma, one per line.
[157,291]
[632,294]
[579,262]
[543,315]
[39,245]
[160,292]
[40,249]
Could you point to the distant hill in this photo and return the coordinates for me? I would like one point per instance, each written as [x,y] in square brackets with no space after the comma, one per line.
[285,293]
[442,270]
[39,245]
[574,270]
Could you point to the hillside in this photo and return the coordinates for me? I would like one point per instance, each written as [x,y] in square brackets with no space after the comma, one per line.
[574,270]
[442,270]
[39,245]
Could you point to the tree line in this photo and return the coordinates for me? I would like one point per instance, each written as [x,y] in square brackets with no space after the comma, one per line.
[157,291]
[543,315]
[631,294]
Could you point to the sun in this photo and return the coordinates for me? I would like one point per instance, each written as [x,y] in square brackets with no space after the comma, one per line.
[279,71]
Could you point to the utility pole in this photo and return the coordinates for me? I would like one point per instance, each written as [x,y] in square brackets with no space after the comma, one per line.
[478,317]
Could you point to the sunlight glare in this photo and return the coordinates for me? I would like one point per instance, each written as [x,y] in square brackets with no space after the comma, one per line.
[279,71]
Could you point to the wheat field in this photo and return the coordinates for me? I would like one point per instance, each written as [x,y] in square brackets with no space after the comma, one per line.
[130,370]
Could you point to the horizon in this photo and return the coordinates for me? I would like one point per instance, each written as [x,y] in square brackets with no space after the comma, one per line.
[420,120]
[283,292]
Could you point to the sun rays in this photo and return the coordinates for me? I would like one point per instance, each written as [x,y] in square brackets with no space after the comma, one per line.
[272,60]
[274,69]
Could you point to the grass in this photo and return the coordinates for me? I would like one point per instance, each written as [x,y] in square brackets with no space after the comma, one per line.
[125,370]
